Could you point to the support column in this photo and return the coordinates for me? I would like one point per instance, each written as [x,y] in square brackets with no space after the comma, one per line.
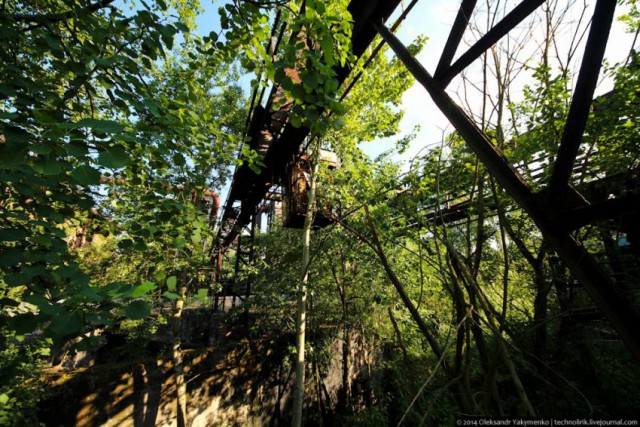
[599,286]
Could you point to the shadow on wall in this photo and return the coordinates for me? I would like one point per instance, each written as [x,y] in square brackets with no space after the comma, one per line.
[238,383]
[231,381]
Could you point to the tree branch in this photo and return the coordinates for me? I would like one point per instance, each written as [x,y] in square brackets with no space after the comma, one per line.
[55,17]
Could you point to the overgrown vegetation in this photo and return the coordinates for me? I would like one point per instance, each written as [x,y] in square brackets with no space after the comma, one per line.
[117,124]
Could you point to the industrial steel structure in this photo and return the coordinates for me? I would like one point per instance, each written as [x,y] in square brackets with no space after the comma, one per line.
[557,210]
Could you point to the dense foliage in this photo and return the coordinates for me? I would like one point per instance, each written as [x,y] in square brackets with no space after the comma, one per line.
[116,127]
[107,136]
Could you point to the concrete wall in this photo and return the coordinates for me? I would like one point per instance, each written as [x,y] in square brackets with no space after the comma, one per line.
[237,381]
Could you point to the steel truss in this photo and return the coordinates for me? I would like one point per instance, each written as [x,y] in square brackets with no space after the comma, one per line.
[558,209]
[249,189]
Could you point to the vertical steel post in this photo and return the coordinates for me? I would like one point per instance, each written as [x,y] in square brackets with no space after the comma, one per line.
[598,285]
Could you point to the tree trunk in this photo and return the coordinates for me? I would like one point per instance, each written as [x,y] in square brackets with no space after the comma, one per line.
[177,359]
[539,319]
[474,329]
[298,391]
[405,355]
[346,358]
[422,326]
[497,331]
[345,392]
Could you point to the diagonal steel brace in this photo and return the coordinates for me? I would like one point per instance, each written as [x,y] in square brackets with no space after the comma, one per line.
[598,285]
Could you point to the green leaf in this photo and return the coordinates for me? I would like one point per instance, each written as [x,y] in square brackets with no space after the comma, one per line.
[15,135]
[254,168]
[114,157]
[106,61]
[86,175]
[105,126]
[295,121]
[326,43]
[137,310]
[99,317]
[7,90]
[179,159]
[338,123]
[202,295]
[152,106]
[6,115]
[43,117]
[12,234]
[167,32]
[311,80]
[172,281]
[90,293]
[298,91]
[180,26]
[24,323]
[16,279]
[171,295]
[125,243]
[179,242]
[77,148]
[90,343]
[338,109]
[67,324]
[311,114]
[160,275]
[4,398]
[143,289]
[40,149]
[48,165]
[44,305]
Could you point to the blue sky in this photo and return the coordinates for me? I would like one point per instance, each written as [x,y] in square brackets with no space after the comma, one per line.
[433,18]
[430,18]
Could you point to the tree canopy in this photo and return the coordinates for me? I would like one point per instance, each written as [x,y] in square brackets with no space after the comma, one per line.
[119,129]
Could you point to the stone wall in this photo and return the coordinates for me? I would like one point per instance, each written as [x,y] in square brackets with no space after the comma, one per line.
[237,381]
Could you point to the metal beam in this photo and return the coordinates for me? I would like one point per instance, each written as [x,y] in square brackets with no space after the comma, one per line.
[583,95]
[455,36]
[513,18]
[490,155]
[608,209]
[616,308]
[598,285]
[377,49]
[250,188]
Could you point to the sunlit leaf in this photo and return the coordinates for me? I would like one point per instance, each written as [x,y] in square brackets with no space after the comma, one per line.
[114,157]
[86,175]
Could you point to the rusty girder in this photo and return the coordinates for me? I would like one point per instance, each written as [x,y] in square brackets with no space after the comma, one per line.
[548,207]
